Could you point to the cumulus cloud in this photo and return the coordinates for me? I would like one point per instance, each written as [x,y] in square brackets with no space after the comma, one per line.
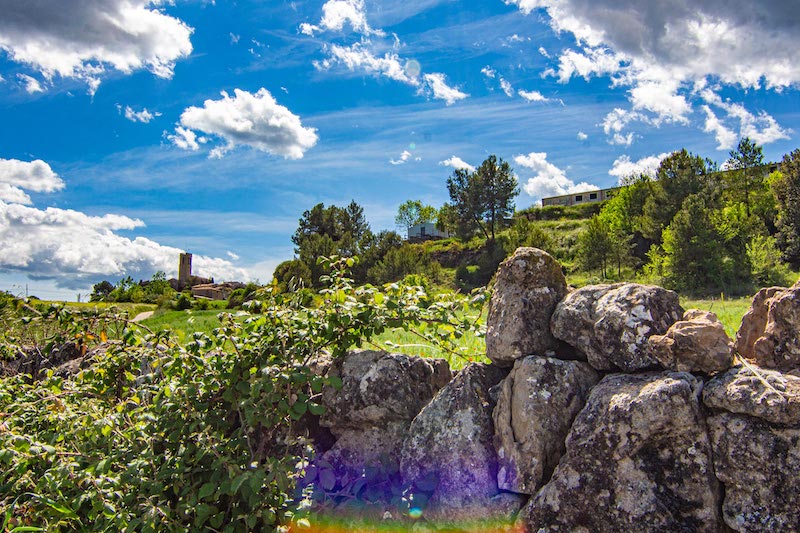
[488,71]
[19,176]
[80,39]
[582,136]
[660,50]
[615,122]
[436,84]
[402,159]
[144,115]
[337,13]
[533,96]
[457,163]
[74,248]
[548,179]
[623,167]
[254,120]
[77,249]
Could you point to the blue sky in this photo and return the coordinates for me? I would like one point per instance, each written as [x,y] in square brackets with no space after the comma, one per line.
[134,129]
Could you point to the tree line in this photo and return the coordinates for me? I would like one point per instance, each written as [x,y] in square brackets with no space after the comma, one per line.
[694,225]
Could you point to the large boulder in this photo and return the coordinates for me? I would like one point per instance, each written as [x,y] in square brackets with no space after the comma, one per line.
[381,393]
[638,459]
[698,343]
[380,387]
[770,330]
[535,408]
[753,391]
[527,287]
[758,463]
[448,458]
[609,324]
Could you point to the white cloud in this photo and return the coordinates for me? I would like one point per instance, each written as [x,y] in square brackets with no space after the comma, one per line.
[358,56]
[488,71]
[533,96]
[761,128]
[457,163]
[623,167]
[614,124]
[549,180]
[437,84]
[402,159]
[337,13]
[232,255]
[184,138]
[76,249]
[17,176]
[254,120]
[726,138]
[80,39]
[234,38]
[507,88]
[144,115]
[582,136]
[32,85]
[662,50]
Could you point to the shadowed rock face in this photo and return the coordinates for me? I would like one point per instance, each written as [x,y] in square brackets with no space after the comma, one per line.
[759,465]
[449,456]
[381,393]
[528,285]
[698,343]
[610,324]
[535,409]
[770,330]
[637,459]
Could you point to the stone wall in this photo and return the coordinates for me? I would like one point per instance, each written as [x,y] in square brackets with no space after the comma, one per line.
[607,408]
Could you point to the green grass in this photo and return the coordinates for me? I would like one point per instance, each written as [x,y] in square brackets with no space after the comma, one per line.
[184,323]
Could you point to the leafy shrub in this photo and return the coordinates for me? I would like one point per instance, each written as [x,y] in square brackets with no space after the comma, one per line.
[156,436]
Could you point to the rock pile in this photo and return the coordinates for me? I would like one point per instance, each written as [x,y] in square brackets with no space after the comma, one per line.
[608,408]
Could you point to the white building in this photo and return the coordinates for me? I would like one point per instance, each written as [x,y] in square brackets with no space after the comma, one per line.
[426,231]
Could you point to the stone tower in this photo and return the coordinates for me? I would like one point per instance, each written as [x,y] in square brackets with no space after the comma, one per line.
[184,269]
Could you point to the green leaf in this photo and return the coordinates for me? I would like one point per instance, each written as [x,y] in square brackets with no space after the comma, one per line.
[316,409]
[237,482]
[206,490]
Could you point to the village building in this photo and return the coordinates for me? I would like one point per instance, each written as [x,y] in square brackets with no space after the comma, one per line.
[598,195]
[426,231]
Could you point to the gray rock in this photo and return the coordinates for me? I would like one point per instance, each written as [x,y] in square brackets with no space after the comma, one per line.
[448,456]
[770,330]
[610,324]
[380,387]
[698,343]
[527,287]
[535,408]
[638,459]
[742,390]
[759,465]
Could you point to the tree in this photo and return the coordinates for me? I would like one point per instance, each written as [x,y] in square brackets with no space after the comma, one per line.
[412,212]
[746,162]
[680,175]
[100,291]
[594,245]
[484,198]
[694,258]
[787,192]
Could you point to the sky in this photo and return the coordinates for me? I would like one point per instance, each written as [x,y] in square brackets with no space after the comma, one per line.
[132,130]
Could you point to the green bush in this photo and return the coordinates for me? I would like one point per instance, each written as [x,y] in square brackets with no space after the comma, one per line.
[158,436]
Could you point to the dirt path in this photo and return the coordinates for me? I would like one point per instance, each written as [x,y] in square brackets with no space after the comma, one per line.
[143,316]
